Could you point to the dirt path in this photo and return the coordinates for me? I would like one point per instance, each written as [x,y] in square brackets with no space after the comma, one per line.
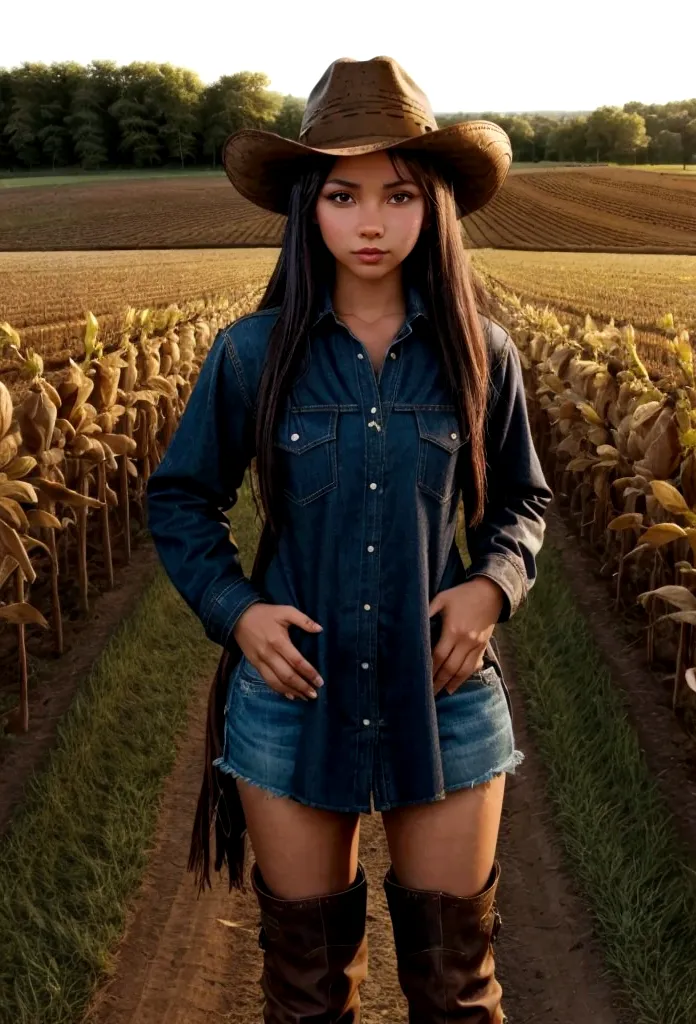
[188,961]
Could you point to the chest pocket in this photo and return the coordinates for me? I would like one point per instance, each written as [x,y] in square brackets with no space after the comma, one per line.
[438,445]
[305,444]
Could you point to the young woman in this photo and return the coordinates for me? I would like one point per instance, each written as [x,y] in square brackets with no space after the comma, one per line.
[358,670]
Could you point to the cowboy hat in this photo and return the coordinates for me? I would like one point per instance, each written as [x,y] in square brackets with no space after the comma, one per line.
[362,107]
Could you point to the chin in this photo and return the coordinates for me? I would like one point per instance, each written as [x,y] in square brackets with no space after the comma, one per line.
[370,271]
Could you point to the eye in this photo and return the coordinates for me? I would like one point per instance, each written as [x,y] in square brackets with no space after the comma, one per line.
[333,198]
[402,195]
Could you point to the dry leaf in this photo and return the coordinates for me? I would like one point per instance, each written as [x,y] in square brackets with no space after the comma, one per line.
[662,533]
[10,541]
[22,614]
[39,517]
[668,496]
[627,521]
[59,492]
[680,597]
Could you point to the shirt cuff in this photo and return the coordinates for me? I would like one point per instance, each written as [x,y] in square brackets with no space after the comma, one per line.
[505,572]
[223,606]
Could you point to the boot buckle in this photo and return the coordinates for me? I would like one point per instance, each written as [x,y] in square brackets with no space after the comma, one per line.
[497,922]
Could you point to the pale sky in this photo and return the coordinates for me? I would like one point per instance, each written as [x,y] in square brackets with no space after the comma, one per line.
[502,55]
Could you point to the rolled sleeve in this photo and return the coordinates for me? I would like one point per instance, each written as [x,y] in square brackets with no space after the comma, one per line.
[504,546]
[196,481]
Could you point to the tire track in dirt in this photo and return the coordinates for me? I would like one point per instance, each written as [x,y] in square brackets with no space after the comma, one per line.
[188,961]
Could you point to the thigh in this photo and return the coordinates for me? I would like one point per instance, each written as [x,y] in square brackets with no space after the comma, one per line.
[448,845]
[301,851]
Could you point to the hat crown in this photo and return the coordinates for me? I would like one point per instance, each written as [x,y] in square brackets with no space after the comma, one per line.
[355,101]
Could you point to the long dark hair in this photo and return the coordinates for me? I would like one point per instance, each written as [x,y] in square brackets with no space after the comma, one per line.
[454,295]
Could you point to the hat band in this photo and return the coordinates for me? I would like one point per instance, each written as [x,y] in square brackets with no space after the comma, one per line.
[362,142]
[346,128]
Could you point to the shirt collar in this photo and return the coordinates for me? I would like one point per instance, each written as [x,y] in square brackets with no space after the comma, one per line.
[415,306]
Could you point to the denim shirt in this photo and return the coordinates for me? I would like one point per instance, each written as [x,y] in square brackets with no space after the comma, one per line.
[371,469]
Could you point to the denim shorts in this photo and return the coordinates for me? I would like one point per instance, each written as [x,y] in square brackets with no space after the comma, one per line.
[263,730]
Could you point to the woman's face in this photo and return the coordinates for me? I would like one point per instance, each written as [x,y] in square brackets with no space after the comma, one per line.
[365,203]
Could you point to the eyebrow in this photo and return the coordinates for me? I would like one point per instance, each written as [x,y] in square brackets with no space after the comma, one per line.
[355,184]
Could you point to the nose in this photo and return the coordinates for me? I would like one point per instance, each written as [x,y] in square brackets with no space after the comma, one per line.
[371,231]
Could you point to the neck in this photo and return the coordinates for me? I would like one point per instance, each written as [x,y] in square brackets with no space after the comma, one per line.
[369,299]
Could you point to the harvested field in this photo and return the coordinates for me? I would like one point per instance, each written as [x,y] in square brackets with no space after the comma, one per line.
[45,295]
[639,288]
[565,209]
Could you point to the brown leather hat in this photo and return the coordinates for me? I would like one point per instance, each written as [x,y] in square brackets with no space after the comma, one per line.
[360,106]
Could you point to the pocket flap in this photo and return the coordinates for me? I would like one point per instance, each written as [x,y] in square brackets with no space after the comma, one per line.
[440,427]
[301,429]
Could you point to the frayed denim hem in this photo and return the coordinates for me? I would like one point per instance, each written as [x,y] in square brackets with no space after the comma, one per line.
[509,767]
[227,769]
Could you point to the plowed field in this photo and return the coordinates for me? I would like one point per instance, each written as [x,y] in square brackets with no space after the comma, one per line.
[586,209]
[598,209]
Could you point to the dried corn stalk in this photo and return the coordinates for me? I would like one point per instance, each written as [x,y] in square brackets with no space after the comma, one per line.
[86,444]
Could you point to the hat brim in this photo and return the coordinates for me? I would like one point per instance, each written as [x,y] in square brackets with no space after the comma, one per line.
[262,165]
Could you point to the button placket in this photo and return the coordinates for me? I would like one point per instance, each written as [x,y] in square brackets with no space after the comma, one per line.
[375,513]
[374,457]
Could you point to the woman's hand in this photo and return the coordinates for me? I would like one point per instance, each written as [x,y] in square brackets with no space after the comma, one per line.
[469,614]
[262,633]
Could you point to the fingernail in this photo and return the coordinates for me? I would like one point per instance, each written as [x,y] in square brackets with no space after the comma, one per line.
[319,681]
[313,694]
[289,696]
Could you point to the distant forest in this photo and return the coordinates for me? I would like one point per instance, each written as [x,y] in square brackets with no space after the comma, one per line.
[147,115]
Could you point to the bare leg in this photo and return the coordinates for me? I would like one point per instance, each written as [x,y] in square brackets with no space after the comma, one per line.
[301,851]
[449,845]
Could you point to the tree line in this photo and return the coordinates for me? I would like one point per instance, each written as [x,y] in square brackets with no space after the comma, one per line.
[148,115]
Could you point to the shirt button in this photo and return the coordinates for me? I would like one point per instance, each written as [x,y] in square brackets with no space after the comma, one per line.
[453,436]
[360,355]
[366,721]
[294,437]
[370,548]
[366,607]
[393,355]
[365,664]
[373,487]
[373,409]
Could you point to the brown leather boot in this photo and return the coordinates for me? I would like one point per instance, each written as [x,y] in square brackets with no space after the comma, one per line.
[443,947]
[315,954]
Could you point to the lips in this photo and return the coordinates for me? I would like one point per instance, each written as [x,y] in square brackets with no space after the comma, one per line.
[371,252]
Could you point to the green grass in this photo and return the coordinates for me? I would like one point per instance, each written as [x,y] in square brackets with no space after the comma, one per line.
[670,168]
[76,850]
[623,850]
[26,180]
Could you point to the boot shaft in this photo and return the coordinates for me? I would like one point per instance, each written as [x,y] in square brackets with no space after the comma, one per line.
[315,954]
[444,951]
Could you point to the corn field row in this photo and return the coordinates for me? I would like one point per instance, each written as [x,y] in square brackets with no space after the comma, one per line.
[619,449]
[76,454]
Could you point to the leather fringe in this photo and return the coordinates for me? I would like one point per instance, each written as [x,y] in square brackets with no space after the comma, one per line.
[219,803]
